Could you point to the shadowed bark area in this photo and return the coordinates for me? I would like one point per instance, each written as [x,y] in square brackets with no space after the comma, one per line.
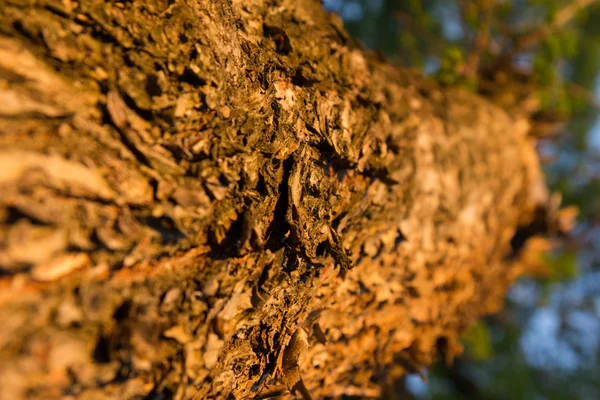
[229,199]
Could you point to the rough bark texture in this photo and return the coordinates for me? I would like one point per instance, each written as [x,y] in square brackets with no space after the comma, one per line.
[229,199]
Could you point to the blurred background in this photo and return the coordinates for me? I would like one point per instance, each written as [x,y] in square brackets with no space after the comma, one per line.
[544,56]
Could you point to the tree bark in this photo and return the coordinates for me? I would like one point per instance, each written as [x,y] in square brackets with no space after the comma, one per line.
[230,199]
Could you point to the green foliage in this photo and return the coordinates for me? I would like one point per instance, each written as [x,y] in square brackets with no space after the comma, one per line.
[451,65]
[478,342]
[561,266]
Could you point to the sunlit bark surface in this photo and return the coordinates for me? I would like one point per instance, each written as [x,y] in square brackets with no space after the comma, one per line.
[230,199]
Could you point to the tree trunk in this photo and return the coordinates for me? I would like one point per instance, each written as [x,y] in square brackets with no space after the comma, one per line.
[230,199]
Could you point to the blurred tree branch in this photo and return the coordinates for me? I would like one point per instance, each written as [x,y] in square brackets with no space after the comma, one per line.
[563,17]
[482,36]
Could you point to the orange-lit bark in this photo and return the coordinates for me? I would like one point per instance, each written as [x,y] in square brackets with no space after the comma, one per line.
[213,199]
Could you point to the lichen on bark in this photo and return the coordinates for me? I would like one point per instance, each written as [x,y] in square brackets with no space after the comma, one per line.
[215,199]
